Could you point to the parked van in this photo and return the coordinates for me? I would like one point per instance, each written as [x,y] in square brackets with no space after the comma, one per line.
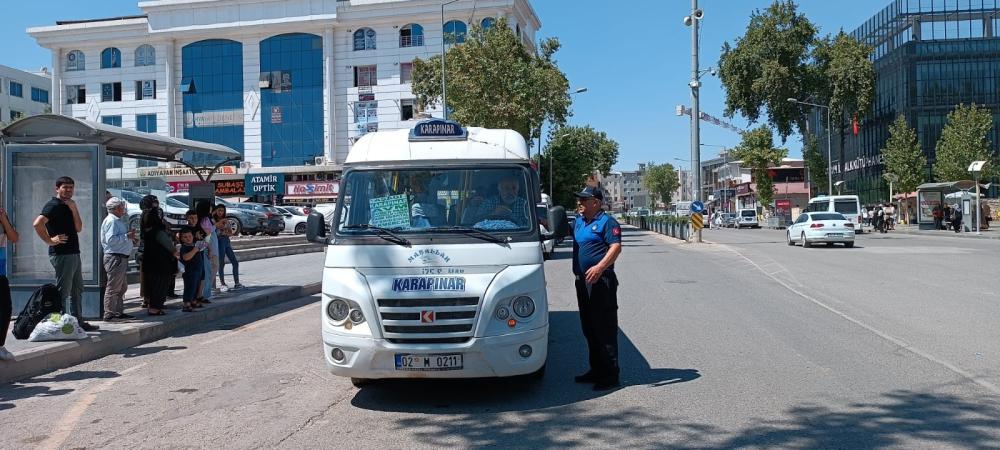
[433,264]
[848,205]
[747,218]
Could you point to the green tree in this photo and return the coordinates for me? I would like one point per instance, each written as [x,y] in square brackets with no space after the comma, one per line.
[816,163]
[757,152]
[768,65]
[780,57]
[846,77]
[575,153]
[964,139]
[903,156]
[495,81]
[661,180]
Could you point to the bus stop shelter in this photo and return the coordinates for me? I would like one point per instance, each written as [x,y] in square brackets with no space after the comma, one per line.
[39,149]
[937,195]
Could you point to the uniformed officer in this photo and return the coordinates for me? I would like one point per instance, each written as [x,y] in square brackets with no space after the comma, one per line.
[596,246]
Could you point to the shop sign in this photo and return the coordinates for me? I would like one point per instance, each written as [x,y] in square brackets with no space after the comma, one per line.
[276,116]
[264,184]
[312,188]
[160,172]
[743,189]
[178,186]
[230,187]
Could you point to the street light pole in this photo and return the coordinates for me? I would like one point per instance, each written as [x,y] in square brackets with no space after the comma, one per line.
[693,21]
[829,144]
[444,76]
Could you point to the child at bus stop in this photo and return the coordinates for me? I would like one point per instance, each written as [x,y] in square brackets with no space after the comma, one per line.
[194,267]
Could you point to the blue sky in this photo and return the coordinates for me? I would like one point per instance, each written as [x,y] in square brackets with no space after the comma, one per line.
[635,61]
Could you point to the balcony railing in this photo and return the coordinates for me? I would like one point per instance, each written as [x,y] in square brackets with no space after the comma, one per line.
[411,41]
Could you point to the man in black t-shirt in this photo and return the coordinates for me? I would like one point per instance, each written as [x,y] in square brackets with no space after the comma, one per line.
[59,226]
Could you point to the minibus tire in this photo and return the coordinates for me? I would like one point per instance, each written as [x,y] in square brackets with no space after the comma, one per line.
[360,382]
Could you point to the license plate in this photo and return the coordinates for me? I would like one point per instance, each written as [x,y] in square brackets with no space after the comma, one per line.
[834,235]
[449,361]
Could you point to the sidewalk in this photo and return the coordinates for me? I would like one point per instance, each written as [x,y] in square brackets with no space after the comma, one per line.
[268,281]
[991,233]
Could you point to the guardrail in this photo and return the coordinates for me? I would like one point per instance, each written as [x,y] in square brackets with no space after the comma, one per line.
[675,227]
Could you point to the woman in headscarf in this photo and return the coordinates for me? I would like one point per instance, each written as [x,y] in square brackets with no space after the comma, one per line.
[159,261]
[7,232]
[204,210]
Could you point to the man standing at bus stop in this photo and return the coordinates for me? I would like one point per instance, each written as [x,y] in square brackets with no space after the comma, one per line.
[596,245]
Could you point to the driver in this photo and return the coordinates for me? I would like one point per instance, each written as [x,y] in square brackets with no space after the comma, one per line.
[508,205]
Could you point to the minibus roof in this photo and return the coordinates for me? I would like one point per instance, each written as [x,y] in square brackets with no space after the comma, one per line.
[479,144]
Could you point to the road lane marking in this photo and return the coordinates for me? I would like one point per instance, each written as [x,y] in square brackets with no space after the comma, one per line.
[897,341]
[72,417]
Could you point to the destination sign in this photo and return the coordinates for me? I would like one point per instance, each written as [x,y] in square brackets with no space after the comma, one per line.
[437,130]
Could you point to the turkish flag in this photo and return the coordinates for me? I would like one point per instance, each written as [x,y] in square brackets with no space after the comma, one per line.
[854,124]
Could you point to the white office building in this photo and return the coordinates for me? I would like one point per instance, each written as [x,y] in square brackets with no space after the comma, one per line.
[23,93]
[290,84]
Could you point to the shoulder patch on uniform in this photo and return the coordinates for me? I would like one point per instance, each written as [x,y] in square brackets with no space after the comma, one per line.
[617,231]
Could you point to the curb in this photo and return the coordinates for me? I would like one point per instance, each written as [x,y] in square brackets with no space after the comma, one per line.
[951,234]
[63,354]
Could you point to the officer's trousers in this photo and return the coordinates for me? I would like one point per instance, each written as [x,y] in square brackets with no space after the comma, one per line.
[599,320]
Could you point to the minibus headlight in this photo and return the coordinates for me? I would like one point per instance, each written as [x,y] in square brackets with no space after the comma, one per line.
[503,313]
[338,309]
[523,306]
[357,316]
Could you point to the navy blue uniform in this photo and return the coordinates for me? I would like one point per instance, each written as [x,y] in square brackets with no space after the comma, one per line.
[598,303]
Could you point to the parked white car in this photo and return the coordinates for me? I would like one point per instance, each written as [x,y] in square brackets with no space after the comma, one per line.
[295,221]
[821,227]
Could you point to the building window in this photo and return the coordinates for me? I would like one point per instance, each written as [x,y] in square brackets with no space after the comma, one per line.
[364,39]
[411,35]
[145,123]
[292,127]
[75,61]
[145,89]
[454,32]
[76,94]
[365,76]
[405,72]
[14,115]
[145,55]
[407,108]
[212,83]
[39,95]
[110,58]
[111,92]
[115,121]
[112,161]
[16,89]
[487,23]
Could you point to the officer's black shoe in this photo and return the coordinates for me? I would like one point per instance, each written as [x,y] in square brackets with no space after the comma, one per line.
[607,384]
[588,377]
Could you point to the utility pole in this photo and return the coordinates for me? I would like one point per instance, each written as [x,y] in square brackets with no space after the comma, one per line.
[693,20]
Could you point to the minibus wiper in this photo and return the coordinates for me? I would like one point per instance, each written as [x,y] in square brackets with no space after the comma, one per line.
[472,231]
[383,233]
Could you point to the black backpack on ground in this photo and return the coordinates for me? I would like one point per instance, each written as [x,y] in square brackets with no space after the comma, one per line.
[44,301]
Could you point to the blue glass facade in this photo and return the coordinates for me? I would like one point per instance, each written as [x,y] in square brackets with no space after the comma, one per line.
[212,87]
[929,57]
[292,105]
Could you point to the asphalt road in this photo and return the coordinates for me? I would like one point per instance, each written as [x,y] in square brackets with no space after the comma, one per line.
[745,344]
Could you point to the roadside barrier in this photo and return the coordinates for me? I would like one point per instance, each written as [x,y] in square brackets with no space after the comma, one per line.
[675,227]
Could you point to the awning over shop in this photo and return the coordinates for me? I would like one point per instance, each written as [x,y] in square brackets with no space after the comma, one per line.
[56,129]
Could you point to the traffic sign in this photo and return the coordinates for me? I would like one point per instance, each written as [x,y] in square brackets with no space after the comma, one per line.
[697,206]
[697,222]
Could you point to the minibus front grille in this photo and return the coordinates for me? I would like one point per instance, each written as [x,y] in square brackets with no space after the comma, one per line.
[428,320]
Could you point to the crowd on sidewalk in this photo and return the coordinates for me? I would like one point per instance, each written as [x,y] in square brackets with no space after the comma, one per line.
[197,251]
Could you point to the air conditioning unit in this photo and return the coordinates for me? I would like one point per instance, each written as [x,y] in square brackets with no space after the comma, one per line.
[319,161]
[245,164]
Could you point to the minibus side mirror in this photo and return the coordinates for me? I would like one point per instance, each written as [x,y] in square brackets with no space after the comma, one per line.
[557,218]
[316,228]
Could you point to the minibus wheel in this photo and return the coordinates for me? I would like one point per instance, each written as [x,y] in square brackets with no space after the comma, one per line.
[360,382]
